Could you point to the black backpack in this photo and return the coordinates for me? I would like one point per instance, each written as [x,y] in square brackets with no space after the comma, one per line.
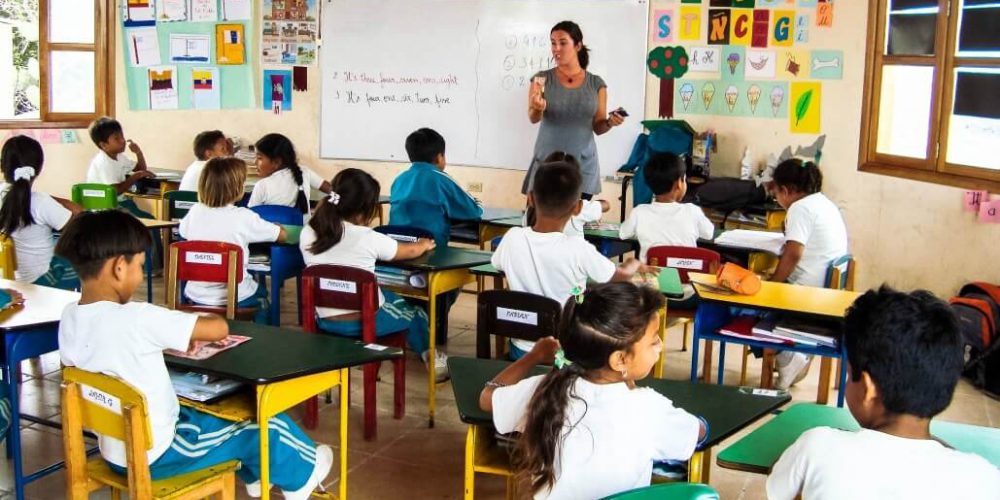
[977,307]
[727,194]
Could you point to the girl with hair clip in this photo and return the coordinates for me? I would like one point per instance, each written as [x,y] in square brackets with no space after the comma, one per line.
[338,233]
[29,217]
[586,430]
[283,181]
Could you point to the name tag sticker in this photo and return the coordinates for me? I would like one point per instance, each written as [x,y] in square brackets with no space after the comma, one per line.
[404,238]
[376,347]
[766,392]
[517,316]
[214,259]
[102,399]
[338,285]
[685,263]
[93,193]
[184,205]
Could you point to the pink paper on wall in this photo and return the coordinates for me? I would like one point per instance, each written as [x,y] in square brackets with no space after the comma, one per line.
[989,211]
[662,30]
[972,199]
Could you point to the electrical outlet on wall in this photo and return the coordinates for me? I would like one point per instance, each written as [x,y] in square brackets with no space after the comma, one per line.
[475,187]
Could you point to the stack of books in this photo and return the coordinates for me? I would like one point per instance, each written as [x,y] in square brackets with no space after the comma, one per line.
[787,332]
[396,277]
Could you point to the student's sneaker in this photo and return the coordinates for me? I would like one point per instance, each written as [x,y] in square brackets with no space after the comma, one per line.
[253,489]
[324,461]
[792,368]
[440,364]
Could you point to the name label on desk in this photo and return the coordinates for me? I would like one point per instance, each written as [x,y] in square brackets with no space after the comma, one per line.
[93,193]
[184,205]
[101,398]
[517,316]
[404,238]
[678,263]
[214,259]
[338,285]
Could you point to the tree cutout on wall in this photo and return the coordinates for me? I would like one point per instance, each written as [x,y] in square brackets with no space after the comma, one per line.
[667,64]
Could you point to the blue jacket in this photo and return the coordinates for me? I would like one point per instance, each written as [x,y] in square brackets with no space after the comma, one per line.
[430,199]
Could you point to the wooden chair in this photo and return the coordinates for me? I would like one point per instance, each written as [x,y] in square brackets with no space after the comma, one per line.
[518,315]
[122,414]
[8,258]
[95,196]
[685,260]
[344,287]
[211,261]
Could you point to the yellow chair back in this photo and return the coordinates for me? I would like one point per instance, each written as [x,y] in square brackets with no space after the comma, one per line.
[8,259]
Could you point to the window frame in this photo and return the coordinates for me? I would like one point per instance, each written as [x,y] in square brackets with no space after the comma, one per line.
[934,167]
[104,71]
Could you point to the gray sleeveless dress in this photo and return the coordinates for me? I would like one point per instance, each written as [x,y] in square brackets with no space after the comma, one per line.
[568,125]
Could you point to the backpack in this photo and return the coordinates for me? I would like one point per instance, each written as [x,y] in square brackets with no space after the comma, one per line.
[727,194]
[660,140]
[977,307]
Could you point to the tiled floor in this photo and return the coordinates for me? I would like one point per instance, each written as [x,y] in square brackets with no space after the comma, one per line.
[408,460]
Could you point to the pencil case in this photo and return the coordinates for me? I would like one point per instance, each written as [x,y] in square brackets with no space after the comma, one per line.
[740,280]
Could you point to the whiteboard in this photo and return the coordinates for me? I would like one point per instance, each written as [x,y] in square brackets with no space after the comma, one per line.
[463,68]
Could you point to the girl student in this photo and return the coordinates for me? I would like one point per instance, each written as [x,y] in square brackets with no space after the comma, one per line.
[283,181]
[29,217]
[338,233]
[586,430]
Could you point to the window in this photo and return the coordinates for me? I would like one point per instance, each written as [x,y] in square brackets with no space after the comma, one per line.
[932,81]
[56,65]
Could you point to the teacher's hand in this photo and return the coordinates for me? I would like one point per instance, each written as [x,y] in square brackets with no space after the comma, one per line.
[537,103]
[614,119]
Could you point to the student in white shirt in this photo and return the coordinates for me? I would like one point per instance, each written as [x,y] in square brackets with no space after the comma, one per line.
[113,167]
[106,333]
[590,210]
[815,235]
[586,430]
[666,221]
[283,181]
[207,145]
[542,259]
[904,358]
[338,233]
[29,217]
[216,218]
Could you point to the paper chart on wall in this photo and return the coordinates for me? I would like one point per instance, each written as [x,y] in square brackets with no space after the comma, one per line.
[190,48]
[230,44]
[277,90]
[139,13]
[171,11]
[760,64]
[804,106]
[163,87]
[289,32]
[205,85]
[237,10]
[143,47]
[826,64]
[704,59]
[204,11]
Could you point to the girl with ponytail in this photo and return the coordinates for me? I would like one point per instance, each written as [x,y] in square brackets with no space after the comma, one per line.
[338,233]
[29,217]
[283,181]
[586,430]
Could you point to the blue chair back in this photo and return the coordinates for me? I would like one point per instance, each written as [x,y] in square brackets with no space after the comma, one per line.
[840,274]
[406,234]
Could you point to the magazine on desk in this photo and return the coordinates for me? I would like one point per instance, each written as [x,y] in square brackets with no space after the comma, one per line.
[204,350]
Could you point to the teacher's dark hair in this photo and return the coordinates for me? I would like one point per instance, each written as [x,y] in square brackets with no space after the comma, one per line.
[574,32]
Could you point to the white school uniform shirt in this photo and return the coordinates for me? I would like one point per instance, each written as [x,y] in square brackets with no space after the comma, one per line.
[673,224]
[127,341]
[592,211]
[359,247]
[189,182]
[549,264]
[33,244]
[816,223]
[230,224]
[827,464]
[280,188]
[105,170]
[610,438]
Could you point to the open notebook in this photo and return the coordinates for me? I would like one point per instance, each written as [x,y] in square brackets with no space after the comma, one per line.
[755,240]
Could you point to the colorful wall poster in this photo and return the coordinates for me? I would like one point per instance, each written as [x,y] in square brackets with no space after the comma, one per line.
[204,11]
[190,48]
[690,23]
[138,13]
[760,64]
[804,107]
[827,64]
[793,63]
[705,59]
[205,88]
[277,88]
[662,28]
[289,31]
[734,62]
[143,46]
[741,23]
[230,45]
[168,11]
[163,87]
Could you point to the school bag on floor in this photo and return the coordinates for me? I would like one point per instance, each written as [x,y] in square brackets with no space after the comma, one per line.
[977,307]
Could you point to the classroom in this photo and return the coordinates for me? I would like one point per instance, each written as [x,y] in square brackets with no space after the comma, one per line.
[447,248]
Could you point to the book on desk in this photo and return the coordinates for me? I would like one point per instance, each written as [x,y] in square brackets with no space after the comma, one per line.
[787,331]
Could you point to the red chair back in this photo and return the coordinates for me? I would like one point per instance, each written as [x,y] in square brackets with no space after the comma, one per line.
[208,261]
[684,259]
[340,287]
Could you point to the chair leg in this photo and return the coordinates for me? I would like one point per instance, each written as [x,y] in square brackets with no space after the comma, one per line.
[706,374]
[743,366]
[836,380]
[311,417]
[329,396]
[687,330]
[116,494]
[767,369]
[370,371]
[229,486]
[399,388]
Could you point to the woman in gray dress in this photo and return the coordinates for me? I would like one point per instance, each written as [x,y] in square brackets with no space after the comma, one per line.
[572,105]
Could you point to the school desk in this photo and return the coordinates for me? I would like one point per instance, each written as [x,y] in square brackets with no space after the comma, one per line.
[285,367]
[802,301]
[766,216]
[29,331]
[481,231]
[163,227]
[726,409]
[758,451]
[447,269]
[607,242]
[758,261]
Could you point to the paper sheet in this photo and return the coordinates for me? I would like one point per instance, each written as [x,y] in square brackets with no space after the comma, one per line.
[204,11]
[171,10]
[760,64]
[756,240]
[138,13]
[205,92]
[163,87]
[277,88]
[804,107]
[230,44]
[237,10]
[143,47]
[186,48]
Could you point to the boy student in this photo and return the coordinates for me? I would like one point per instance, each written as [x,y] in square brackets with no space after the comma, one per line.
[106,333]
[111,166]
[904,354]
[544,260]
[207,145]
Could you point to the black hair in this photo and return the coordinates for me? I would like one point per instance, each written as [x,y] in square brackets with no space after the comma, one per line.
[206,141]
[103,128]
[91,238]
[556,188]
[561,156]
[356,193]
[799,176]
[662,171]
[574,32]
[910,345]
[612,317]
[424,145]
[279,147]
[19,151]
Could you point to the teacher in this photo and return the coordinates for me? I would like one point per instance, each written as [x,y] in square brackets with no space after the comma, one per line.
[572,105]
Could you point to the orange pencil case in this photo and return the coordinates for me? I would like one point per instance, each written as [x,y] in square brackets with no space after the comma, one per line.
[740,280]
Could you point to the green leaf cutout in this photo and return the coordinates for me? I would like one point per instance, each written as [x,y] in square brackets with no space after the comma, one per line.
[802,105]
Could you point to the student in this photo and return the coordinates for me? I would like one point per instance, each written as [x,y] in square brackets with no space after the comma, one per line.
[30,217]
[542,259]
[216,218]
[666,221]
[338,233]
[904,358]
[111,166]
[590,211]
[586,430]
[207,145]
[106,333]
[815,235]
[283,181]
